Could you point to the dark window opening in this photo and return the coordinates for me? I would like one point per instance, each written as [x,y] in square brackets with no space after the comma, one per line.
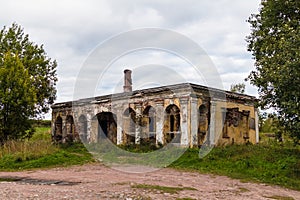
[172,122]
[58,129]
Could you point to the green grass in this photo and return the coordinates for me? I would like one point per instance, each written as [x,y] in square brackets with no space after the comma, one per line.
[8,179]
[39,152]
[185,198]
[164,189]
[281,197]
[268,163]
[63,156]
[111,154]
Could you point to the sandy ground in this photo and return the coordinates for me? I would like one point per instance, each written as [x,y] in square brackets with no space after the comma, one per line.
[96,181]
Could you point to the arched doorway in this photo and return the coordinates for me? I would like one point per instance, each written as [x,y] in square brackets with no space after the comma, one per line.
[107,126]
[172,124]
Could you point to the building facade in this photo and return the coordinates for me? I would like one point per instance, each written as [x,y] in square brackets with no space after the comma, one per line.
[183,114]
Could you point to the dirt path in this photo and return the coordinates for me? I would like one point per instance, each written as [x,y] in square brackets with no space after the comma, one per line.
[95,181]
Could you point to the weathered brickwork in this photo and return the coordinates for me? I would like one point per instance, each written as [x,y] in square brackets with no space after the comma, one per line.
[184,114]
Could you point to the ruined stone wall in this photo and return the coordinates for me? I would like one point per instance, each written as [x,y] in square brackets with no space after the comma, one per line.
[180,116]
[238,123]
[63,125]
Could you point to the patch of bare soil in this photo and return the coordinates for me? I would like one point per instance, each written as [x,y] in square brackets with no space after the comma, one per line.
[95,181]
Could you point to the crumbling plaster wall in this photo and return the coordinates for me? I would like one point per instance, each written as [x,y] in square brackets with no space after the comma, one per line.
[192,133]
[238,132]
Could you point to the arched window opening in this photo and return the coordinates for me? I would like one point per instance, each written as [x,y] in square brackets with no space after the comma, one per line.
[70,125]
[129,117]
[149,119]
[203,124]
[70,128]
[172,124]
[58,129]
[149,125]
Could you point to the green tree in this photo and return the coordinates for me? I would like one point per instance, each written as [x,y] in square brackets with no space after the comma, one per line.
[27,82]
[275,46]
[240,88]
[17,99]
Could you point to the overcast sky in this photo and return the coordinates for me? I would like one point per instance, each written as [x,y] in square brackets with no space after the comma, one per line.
[71,30]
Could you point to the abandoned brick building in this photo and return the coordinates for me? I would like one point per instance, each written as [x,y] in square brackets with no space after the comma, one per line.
[184,114]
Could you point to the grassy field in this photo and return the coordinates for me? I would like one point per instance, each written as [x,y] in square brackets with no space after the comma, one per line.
[268,162]
[39,152]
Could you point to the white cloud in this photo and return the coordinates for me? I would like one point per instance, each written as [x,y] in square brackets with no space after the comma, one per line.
[71,29]
[145,17]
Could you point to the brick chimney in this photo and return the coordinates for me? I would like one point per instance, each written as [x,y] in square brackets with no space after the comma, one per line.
[127,81]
